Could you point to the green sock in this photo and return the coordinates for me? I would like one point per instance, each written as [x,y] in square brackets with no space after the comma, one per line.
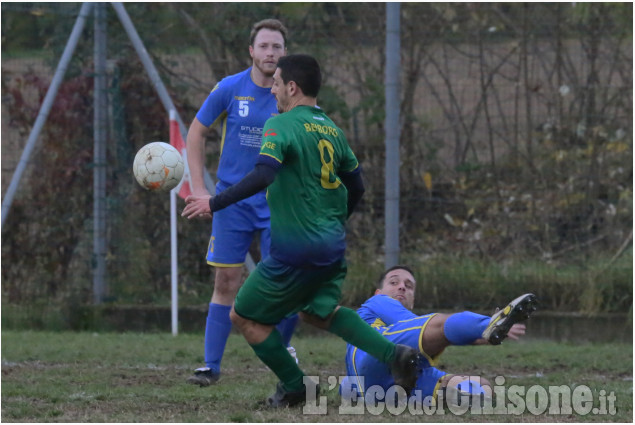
[275,355]
[347,324]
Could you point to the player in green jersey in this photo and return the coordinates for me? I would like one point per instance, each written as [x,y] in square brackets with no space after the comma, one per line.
[313,184]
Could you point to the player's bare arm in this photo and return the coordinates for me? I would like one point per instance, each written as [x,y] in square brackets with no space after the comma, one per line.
[196,156]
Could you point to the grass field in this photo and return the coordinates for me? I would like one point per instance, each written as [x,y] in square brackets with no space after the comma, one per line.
[133,377]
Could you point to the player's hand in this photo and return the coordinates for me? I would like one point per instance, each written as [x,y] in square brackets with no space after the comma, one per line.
[516,331]
[197,206]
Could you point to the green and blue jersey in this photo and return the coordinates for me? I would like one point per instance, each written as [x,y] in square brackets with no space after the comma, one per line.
[307,200]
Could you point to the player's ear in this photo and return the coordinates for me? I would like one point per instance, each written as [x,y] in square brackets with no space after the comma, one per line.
[377,291]
[293,88]
[251,51]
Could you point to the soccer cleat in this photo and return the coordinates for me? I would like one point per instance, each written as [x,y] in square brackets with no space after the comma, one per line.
[283,398]
[405,367]
[516,311]
[291,351]
[203,376]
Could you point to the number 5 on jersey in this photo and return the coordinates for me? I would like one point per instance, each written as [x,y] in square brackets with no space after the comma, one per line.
[243,108]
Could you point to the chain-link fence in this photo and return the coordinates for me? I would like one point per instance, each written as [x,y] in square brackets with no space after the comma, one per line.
[516,141]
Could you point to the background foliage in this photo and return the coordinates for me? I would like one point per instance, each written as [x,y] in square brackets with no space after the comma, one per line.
[516,146]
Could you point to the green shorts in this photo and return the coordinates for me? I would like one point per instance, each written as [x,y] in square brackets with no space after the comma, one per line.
[275,290]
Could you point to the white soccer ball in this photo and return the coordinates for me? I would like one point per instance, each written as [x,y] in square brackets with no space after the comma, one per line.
[158,166]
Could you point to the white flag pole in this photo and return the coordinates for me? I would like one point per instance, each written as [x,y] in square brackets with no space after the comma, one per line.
[174,256]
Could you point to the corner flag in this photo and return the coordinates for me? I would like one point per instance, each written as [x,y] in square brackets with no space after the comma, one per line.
[176,140]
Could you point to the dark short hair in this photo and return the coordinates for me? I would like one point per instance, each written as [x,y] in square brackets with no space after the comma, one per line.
[304,70]
[380,282]
[270,24]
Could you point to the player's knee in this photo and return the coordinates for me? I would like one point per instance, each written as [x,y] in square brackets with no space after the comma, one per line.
[433,340]
[314,320]
[305,317]
[437,324]
[227,281]
[236,319]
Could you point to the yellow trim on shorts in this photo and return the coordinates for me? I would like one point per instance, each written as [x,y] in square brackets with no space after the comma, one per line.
[432,360]
[359,385]
[211,263]
[437,387]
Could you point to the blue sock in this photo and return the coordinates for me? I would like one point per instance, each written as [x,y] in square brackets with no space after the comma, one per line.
[465,328]
[217,331]
[286,327]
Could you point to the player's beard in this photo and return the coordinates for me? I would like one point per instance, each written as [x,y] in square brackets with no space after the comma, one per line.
[265,71]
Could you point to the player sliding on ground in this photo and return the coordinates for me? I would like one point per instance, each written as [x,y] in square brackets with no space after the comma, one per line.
[313,184]
[389,312]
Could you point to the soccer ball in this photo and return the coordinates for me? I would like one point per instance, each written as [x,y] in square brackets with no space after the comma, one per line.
[158,166]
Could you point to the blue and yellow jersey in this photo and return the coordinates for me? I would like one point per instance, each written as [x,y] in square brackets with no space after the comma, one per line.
[399,325]
[307,199]
[381,310]
[241,108]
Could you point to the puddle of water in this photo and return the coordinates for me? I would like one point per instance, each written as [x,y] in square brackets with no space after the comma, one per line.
[574,327]
[543,325]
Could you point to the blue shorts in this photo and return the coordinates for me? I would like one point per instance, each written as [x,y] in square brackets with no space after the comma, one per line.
[234,228]
[407,332]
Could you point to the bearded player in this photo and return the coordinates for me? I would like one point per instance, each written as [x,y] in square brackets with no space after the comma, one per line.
[239,104]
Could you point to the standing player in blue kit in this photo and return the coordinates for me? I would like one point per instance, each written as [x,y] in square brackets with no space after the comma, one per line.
[240,104]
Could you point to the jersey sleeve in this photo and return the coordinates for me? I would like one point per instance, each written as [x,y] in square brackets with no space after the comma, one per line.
[272,150]
[387,309]
[349,163]
[215,106]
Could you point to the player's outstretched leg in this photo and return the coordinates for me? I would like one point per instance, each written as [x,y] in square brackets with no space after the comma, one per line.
[516,311]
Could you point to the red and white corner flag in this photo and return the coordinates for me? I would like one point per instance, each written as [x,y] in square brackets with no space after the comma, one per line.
[176,140]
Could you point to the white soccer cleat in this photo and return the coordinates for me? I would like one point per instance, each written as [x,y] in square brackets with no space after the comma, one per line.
[516,311]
